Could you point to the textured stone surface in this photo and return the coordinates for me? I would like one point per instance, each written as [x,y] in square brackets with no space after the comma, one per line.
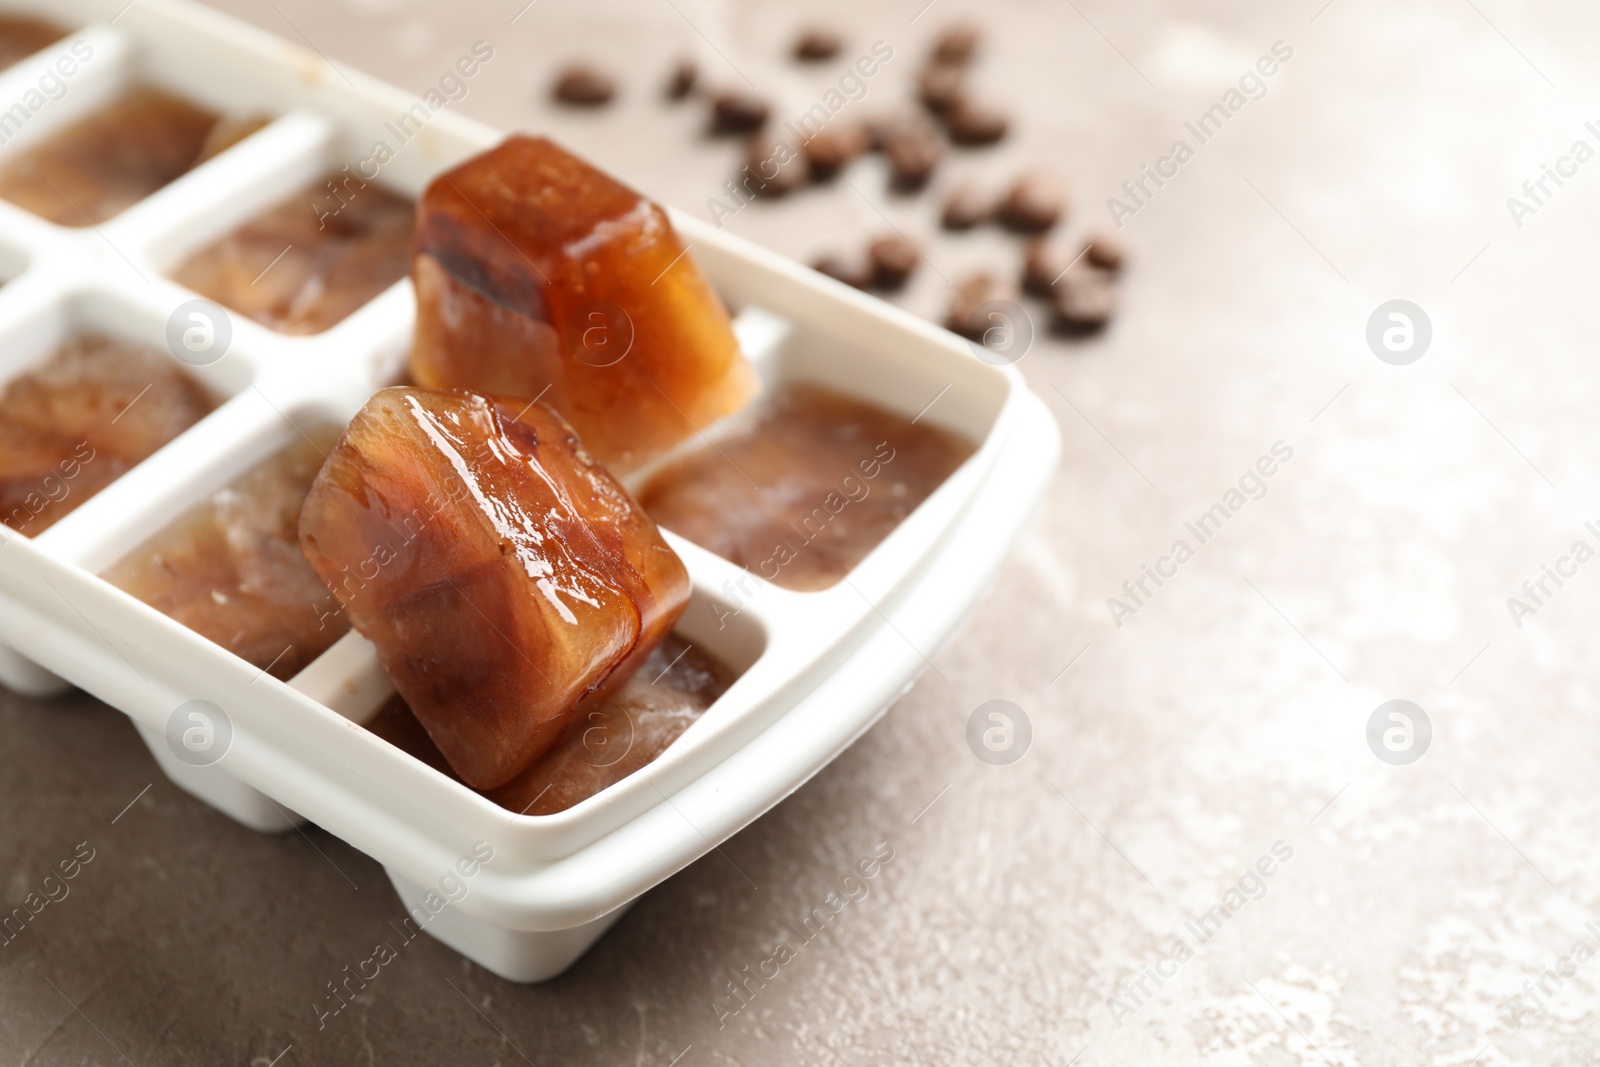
[1193,738]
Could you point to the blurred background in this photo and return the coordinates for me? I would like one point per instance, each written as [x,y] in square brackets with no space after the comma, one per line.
[1208,731]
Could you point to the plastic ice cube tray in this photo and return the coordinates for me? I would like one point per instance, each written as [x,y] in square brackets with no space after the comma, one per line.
[817,668]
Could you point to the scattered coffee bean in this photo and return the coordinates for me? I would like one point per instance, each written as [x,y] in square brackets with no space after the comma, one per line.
[772,168]
[894,260]
[1083,303]
[968,296]
[736,111]
[914,150]
[976,124]
[852,272]
[968,206]
[1034,204]
[942,87]
[581,85]
[681,83]
[815,45]
[1105,252]
[1043,263]
[958,44]
[833,148]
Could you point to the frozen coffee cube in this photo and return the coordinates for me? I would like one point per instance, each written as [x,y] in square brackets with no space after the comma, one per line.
[110,160]
[231,570]
[74,424]
[538,276]
[307,263]
[503,575]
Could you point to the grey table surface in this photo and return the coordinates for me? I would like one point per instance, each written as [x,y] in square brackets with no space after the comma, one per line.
[1029,910]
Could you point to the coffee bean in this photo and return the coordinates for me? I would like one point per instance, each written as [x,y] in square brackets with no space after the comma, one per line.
[772,168]
[852,272]
[967,206]
[1083,303]
[1034,204]
[942,87]
[833,148]
[1043,263]
[736,111]
[815,45]
[581,85]
[681,83]
[914,150]
[976,124]
[894,259]
[958,44]
[966,298]
[1105,252]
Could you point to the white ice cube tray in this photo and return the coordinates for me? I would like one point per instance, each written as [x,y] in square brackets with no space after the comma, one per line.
[817,668]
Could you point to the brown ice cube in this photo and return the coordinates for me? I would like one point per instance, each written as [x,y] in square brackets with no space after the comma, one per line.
[22,35]
[230,568]
[110,160]
[304,265]
[539,276]
[603,744]
[503,575]
[71,426]
[808,490]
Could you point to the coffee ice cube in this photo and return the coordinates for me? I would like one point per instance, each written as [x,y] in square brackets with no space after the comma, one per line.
[305,264]
[72,425]
[804,493]
[110,160]
[539,276]
[503,575]
[230,568]
[605,742]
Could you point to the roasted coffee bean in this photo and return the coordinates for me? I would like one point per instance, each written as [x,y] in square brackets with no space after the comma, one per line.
[1083,303]
[963,316]
[772,168]
[833,148]
[894,259]
[1044,263]
[815,45]
[681,82]
[914,150]
[958,44]
[976,124]
[852,272]
[1034,203]
[1105,252]
[942,87]
[581,85]
[967,206]
[735,111]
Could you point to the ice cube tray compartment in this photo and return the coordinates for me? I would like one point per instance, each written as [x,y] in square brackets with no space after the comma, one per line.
[815,669]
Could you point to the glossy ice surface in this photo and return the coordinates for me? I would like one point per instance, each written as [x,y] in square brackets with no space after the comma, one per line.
[21,36]
[502,573]
[801,496]
[230,568]
[111,159]
[308,262]
[604,744]
[538,275]
[72,425]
